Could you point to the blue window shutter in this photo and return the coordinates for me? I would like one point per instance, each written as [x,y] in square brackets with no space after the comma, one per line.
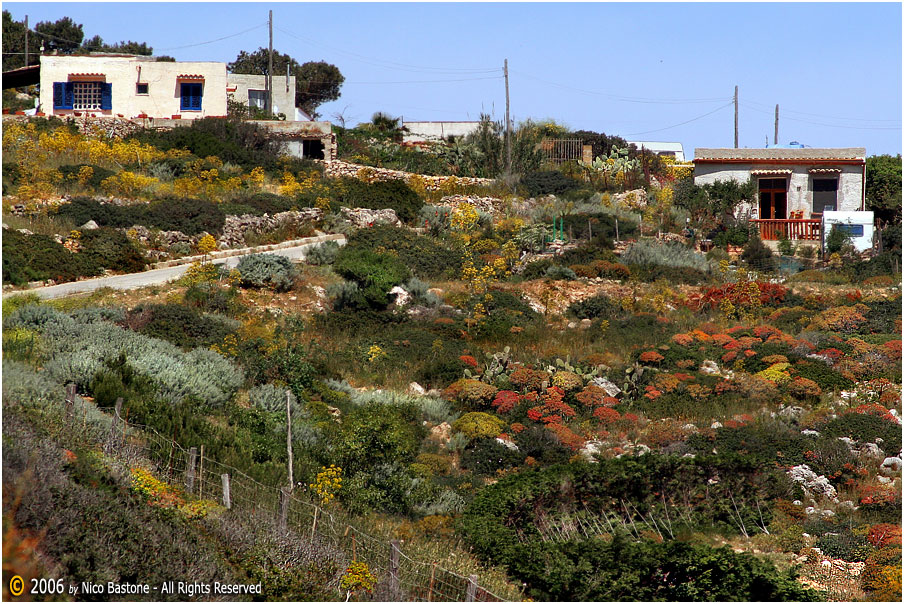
[184,101]
[196,100]
[106,97]
[58,93]
[69,96]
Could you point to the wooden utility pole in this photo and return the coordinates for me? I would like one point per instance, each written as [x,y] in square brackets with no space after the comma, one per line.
[735,117]
[26,40]
[775,140]
[289,438]
[508,125]
[270,70]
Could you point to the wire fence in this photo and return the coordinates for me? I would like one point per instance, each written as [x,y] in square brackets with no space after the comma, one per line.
[399,576]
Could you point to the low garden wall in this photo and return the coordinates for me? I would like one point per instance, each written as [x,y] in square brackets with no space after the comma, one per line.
[339,169]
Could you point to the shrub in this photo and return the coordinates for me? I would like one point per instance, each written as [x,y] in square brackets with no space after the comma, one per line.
[547,182]
[472,394]
[437,218]
[374,273]
[394,194]
[321,254]
[478,425]
[824,376]
[557,273]
[38,257]
[426,257]
[111,249]
[758,256]
[487,456]
[837,240]
[181,325]
[866,428]
[267,270]
[71,173]
[802,388]
[190,216]
[670,255]
[594,307]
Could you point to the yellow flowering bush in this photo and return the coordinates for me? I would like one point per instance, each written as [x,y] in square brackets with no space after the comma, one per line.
[156,492]
[357,577]
[327,483]
[127,184]
[207,244]
[256,177]
[375,353]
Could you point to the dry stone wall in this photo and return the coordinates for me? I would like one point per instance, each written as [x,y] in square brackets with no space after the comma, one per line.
[338,169]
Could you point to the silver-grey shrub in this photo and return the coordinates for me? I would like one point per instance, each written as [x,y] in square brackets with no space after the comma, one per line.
[267,270]
[448,503]
[419,294]
[672,255]
[77,352]
[322,254]
[36,316]
[272,398]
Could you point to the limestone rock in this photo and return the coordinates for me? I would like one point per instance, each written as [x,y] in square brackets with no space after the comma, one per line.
[813,484]
[89,226]
[415,388]
[366,217]
[890,465]
[608,387]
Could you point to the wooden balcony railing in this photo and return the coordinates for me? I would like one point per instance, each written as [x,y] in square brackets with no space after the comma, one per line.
[772,230]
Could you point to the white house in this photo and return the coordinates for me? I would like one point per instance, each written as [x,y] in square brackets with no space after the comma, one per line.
[131,86]
[794,185]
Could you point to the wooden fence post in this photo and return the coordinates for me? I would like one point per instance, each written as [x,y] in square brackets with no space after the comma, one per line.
[471,595]
[70,401]
[190,470]
[201,475]
[314,524]
[112,438]
[432,578]
[227,500]
[394,569]
[283,509]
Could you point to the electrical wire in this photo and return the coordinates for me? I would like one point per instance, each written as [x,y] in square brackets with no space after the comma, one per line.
[846,127]
[700,117]
[391,64]
[216,40]
[626,99]
[828,117]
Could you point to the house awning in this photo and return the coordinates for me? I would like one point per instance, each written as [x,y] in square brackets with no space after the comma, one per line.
[87,76]
[776,172]
[825,170]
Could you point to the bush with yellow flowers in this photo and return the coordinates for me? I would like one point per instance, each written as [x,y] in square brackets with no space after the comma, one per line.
[357,577]
[327,483]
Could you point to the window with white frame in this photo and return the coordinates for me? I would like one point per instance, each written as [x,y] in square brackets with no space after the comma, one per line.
[257,98]
[87,95]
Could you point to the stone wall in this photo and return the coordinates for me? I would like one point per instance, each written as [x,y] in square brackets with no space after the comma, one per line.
[117,127]
[338,169]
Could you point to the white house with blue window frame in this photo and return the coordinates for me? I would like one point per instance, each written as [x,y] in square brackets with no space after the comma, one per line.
[131,86]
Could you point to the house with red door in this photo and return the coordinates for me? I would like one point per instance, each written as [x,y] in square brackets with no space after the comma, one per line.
[795,184]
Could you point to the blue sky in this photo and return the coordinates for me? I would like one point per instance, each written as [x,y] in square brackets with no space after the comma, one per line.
[632,69]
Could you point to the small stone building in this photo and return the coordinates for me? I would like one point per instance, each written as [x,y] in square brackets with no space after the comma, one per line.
[792,183]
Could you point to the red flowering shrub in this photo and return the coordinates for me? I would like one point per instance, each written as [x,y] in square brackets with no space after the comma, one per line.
[652,393]
[740,294]
[505,401]
[749,353]
[728,357]
[893,349]
[833,354]
[518,427]
[528,379]
[802,388]
[468,360]
[631,418]
[610,401]
[650,356]
[566,436]
[686,364]
[724,387]
[553,409]
[683,339]
[722,339]
[607,415]
[870,409]
[844,319]
[884,534]
[591,396]
[471,393]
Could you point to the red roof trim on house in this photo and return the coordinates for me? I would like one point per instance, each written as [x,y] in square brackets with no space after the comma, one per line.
[87,75]
[809,160]
[189,76]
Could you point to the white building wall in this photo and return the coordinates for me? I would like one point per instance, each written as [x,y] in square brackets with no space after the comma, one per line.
[164,95]
[424,131]
[800,185]
[283,99]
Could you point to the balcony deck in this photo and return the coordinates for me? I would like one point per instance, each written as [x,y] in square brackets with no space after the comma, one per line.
[808,229]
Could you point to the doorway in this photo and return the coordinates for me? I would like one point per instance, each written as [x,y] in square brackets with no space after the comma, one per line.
[773,198]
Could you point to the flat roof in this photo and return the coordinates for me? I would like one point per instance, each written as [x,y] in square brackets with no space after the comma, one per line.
[805,154]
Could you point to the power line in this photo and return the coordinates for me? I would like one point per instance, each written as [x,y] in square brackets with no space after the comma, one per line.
[626,99]
[829,117]
[846,127]
[700,117]
[216,40]
[390,64]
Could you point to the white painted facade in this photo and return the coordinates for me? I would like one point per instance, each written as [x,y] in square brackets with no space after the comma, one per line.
[860,226]
[252,90]
[139,86]
[431,131]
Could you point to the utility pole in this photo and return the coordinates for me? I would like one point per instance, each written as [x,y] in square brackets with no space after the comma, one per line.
[508,126]
[270,70]
[26,40]
[735,117]
[775,140]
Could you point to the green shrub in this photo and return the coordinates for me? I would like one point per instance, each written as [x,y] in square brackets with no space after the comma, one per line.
[865,427]
[259,204]
[826,377]
[190,216]
[212,297]
[181,325]
[426,257]
[477,424]
[394,194]
[323,253]
[112,250]
[438,218]
[38,257]
[547,182]
[267,270]
[846,545]
[594,307]
[374,273]
[758,256]
[70,173]
[486,456]
[559,273]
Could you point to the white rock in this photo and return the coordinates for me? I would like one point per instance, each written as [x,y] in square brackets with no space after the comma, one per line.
[572,325]
[586,323]
[402,297]
[827,513]
[809,433]
[592,448]
[849,442]
[507,444]
[608,387]
[415,388]
[689,428]
[716,425]
[709,368]
[872,451]
[890,465]
[797,502]
[810,510]
[885,479]
[89,226]
[813,485]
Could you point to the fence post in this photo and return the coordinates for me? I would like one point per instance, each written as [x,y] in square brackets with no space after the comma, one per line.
[227,500]
[190,471]
[70,401]
[314,524]
[471,595]
[283,509]
[394,570]
[432,578]
[112,438]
